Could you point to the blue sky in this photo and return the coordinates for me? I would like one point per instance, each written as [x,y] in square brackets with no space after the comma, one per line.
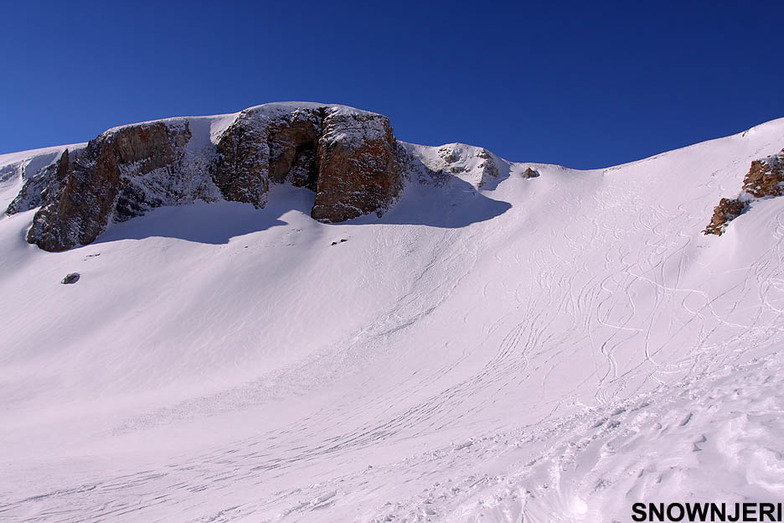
[583,84]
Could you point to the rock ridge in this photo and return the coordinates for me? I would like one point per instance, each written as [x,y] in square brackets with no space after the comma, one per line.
[348,157]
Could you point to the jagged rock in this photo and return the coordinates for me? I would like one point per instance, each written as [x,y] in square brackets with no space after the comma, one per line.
[489,168]
[9,171]
[530,173]
[108,181]
[764,179]
[727,210]
[293,151]
[454,158]
[348,157]
[475,165]
[358,166]
[240,169]
[42,187]
[264,145]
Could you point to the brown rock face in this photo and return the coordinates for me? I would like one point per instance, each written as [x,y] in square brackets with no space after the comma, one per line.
[293,150]
[727,210]
[260,147]
[348,157]
[489,168]
[90,188]
[357,165]
[764,179]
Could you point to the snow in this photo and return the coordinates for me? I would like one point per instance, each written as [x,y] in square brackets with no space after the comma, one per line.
[493,347]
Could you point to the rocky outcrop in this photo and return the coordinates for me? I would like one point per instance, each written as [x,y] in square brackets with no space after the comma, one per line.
[42,187]
[489,167]
[765,179]
[727,210]
[530,173]
[107,182]
[437,165]
[348,157]
[358,169]
[264,146]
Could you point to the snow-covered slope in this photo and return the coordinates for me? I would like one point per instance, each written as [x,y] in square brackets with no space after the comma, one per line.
[545,349]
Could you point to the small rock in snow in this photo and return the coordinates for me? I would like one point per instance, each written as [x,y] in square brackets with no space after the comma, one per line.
[70,278]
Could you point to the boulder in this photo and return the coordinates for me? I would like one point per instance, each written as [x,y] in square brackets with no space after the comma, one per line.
[70,278]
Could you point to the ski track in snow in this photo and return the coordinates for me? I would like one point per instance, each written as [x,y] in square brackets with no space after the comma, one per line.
[587,349]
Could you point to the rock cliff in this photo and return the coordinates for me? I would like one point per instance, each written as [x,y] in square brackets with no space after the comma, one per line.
[358,168]
[348,157]
[266,145]
[727,210]
[116,177]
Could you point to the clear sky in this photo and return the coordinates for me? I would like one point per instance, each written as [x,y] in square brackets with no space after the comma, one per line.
[583,84]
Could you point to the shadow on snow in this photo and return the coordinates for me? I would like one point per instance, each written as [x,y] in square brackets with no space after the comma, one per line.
[453,204]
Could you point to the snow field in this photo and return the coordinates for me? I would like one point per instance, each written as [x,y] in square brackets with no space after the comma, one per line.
[552,349]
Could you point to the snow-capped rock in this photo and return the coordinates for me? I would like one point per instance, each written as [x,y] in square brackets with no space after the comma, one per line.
[270,143]
[347,156]
[121,174]
[359,172]
[765,179]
